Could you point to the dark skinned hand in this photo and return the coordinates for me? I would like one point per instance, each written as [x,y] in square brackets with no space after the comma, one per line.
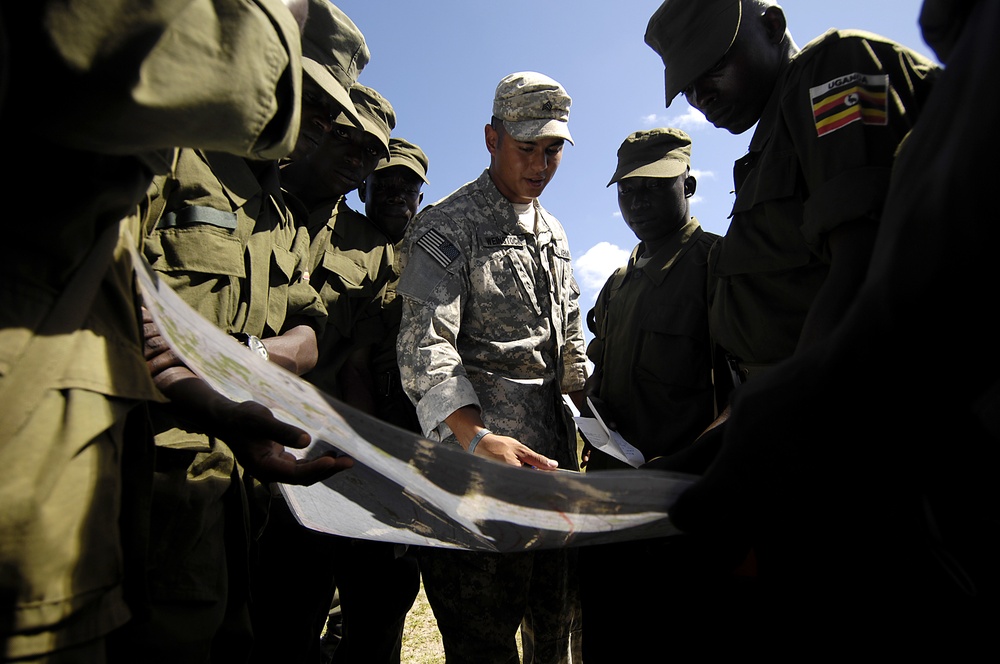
[256,437]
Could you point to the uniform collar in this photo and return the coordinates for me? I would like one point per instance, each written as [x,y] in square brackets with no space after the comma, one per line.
[660,263]
[502,210]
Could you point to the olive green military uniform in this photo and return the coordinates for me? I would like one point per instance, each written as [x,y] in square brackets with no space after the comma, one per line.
[378,581]
[653,359]
[819,157]
[350,263]
[222,238]
[391,402]
[651,347]
[883,427]
[64,464]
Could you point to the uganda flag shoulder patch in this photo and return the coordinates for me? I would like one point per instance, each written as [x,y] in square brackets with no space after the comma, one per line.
[438,246]
[850,98]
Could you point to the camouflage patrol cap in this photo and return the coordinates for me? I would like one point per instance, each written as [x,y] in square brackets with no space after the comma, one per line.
[690,37]
[404,153]
[663,152]
[377,115]
[333,53]
[532,106]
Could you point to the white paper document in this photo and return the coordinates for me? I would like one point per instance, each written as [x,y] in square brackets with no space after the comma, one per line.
[407,489]
[608,440]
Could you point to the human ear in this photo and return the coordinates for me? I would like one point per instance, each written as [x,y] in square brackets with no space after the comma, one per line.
[492,138]
[775,23]
[690,185]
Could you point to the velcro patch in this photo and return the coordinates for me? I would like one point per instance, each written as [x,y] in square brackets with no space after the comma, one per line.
[438,246]
[850,98]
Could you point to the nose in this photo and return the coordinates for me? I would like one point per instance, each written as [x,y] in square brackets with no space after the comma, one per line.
[540,162]
[700,93]
[355,154]
[638,200]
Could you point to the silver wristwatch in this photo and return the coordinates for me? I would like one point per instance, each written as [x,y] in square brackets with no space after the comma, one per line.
[252,342]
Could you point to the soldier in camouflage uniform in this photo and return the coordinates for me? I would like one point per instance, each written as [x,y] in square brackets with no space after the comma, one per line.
[491,336]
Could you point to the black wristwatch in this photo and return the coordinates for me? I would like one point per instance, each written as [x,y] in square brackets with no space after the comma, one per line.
[252,342]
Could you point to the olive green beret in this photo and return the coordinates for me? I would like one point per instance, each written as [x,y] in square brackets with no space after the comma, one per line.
[377,115]
[404,153]
[333,53]
[663,152]
[691,36]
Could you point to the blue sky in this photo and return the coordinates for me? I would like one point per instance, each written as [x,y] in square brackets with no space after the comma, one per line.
[438,63]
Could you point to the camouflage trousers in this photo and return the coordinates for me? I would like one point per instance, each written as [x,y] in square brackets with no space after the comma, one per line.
[481,599]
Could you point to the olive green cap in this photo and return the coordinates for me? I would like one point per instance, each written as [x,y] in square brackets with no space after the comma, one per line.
[532,106]
[404,153]
[691,36]
[663,152]
[376,113]
[333,53]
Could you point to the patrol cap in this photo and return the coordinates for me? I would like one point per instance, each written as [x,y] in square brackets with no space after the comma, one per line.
[404,153]
[690,37]
[376,113]
[532,106]
[663,152]
[333,53]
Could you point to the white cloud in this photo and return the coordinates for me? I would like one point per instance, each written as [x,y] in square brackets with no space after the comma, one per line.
[690,120]
[594,267]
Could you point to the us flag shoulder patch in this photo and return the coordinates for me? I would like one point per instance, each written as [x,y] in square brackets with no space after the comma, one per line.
[850,98]
[440,249]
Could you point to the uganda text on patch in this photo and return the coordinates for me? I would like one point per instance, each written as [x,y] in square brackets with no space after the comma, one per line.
[850,98]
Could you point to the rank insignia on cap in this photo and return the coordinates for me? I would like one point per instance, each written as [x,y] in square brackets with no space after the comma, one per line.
[850,98]
[440,249]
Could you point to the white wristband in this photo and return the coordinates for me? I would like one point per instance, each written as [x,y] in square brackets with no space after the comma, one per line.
[478,437]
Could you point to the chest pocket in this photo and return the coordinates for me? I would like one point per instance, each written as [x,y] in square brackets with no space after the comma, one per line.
[766,232]
[562,268]
[283,264]
[196,239]
[521,281]
[673,348]
[502,303]
[346,287]
[345,275]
